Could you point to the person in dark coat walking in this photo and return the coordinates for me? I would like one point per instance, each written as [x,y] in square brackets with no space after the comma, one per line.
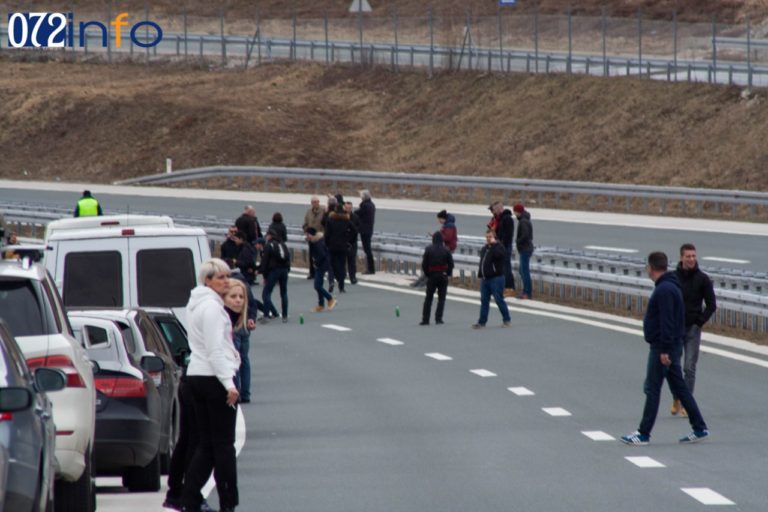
[318,254]
[524,243]
[229,248]
[697,289]
[491,273]
[367,214]
[246,257]
[437,265]
[338,229]
[352,245]
[664,330]
[248,224]
[275,265]
[503,224]
[278,226]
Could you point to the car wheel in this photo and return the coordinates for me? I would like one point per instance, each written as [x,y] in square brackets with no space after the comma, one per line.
[146,479]
[78,496]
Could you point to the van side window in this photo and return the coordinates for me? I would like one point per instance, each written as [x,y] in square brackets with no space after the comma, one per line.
[165,277]
[93,279]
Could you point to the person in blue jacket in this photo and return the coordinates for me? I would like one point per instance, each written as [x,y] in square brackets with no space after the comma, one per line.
[318,254]
[664,330]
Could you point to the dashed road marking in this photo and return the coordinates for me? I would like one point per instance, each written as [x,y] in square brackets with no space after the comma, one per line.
[335,327]
[598,435]
[556,411]
[706,496]
[483,373]
[645,462]
[438,356]
[521,391]
[610,249]
[390,341]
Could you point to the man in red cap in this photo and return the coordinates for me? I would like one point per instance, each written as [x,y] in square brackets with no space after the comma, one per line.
[524,243]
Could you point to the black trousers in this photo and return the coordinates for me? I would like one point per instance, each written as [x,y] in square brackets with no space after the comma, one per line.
[185,445]
[310,265]
[366,240]
[215,422]
[352,261]
[339,267]
[435,281]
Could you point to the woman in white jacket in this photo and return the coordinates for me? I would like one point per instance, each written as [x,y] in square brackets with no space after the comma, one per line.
[210,378]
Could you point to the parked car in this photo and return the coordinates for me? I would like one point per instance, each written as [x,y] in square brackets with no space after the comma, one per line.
[32,308]
[129,408]
[27,432]
[146,349]
[125,261]
[174,333]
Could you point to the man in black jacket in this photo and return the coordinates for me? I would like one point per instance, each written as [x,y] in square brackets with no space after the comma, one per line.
[367,215]
[664,329]
[524,244]
[318,254]
[246,257]
[503,225]
[491,273]
[352,244]
[437,265]
[697,288]
[248,224]
[229,248]
[275,265]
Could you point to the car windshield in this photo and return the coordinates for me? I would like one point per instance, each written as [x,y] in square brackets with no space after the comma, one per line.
[22,310]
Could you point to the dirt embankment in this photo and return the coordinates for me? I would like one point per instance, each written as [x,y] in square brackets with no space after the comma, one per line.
[727,11]
[101,123]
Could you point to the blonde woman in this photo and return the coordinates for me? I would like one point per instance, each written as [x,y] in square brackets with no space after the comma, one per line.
[236,304]
[210,378]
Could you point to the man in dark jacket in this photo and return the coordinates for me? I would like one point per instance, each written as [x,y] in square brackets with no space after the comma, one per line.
[246,257]
[448,230]
[229,248]
[437,265]
[337,234]
[354,220]
[524,243]
[491,273]
[275,265]
[318,254]
[503,224]
[697,288]
[664,329]
[367,215]
[248,224]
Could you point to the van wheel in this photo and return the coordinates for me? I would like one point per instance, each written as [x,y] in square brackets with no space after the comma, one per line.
[78,496]
[146,479]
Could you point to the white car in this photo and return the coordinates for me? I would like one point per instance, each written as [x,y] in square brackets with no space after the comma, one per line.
[32,308]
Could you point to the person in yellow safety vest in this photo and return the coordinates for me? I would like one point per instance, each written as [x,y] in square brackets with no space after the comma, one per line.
[87,206]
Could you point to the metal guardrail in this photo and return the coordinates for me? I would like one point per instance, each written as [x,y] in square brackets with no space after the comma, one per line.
[493,187]
[614,282]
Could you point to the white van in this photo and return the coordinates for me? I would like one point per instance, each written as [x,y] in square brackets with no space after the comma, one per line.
[125,261]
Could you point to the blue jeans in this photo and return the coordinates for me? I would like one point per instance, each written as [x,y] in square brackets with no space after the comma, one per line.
[525,272]
[654,379]
[492,286]
[276,276]
[244,346]
[322,293]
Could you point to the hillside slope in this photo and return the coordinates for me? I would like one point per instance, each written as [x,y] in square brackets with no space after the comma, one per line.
[100,123]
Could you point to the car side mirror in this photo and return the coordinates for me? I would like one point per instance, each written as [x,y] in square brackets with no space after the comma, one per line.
[152,364]
[50,379]
[15,399]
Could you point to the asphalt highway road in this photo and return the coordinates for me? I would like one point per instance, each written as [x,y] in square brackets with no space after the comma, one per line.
[727,248]
[361,409]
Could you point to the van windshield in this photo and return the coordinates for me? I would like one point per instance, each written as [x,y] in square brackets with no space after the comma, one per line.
[93,279]
[22,308]
[165,277]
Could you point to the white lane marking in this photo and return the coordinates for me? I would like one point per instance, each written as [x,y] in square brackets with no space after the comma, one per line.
[645,462]
[556,411]
[598,435]
[437,356]
[706,496]
[390,341]
[483,373]
[601,325]
[726,260]
[610,249]
[337,327]
[521,391]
